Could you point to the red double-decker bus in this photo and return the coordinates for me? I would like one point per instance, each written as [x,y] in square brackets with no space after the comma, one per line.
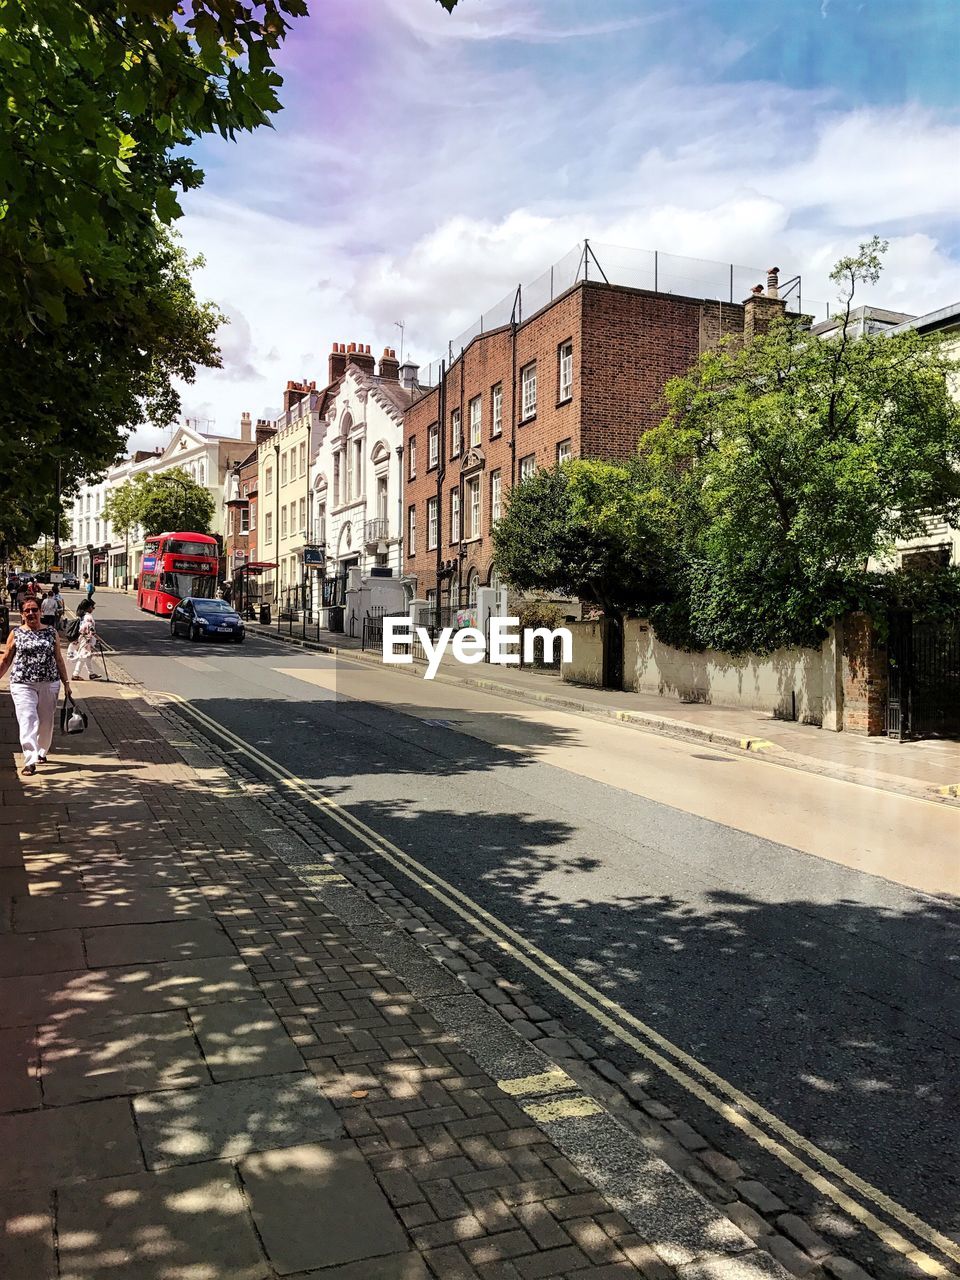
[174,566]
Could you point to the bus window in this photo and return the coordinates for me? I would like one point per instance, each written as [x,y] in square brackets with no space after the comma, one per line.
[182,585]
[180,547]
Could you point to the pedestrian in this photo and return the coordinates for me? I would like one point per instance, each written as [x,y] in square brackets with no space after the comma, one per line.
[89,587]
[51,608]
[38,670]
[22,594]
[13,586]
[85,646]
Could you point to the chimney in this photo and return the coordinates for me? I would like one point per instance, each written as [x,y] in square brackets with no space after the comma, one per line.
[408,375]
[246,427]
[759,310]
[294,394]
[389,364]
[773,282]
[360,355]
[265,430]
[337,362]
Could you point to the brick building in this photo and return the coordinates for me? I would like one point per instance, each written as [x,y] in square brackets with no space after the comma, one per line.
[240,519]
[581,378]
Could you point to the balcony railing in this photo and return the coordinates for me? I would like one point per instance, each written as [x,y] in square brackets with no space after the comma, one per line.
[376,530]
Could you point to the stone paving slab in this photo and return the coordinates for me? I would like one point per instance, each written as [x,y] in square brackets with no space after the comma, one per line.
[19,1070]
[319,1205]
[91,995]
[98,907]
[189,1223]
[233,1119]
[244,1038]
[27,1246]
[64,1144]
[120,1055]
[51,952]
[143,944]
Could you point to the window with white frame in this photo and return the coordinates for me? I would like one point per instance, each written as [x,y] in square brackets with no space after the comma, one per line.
[283,468]
[322,522]
[412,531]
[283,522]
[563,451]
[476,409]
[432,517]
[455,515]
[412,460]
[496,499]
[357,468]
[268,480]
[293,464]
[473,586]
[303,457]
[528,391]
[565,370]
[336,479]
[456,434]
[496,409]
[433,445]
[253,513]
[472,502]
[268,526]
[302,522]
[528,466]
[245,519]
[348,477]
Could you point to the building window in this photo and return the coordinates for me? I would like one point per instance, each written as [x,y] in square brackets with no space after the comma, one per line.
[268,480]
[496,402]
[496,509]
[432,517]
[565,370]
[412,460]
[253,514]
[456,434]
[302,522]
[528,391]
[293,463]
[357,468]
[412,531]
[473,585]
[201,473]
[244,519]
[88,502]
[563,451]
[303,457]
[476,407]
[322,522]
[268,526]
[336,479]
[454,515]
[283,469]
[348,478]
[473,507]
[283,522]
[433,445]
[528,466]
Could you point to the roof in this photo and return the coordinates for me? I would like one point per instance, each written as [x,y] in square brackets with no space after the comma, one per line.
[944,318]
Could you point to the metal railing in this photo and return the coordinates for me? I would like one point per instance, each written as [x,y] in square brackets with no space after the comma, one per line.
[372,637]
[633,268]
[376,530]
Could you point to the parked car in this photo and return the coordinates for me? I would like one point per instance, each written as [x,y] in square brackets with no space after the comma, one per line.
[71,580]
[43,578]
[202,619]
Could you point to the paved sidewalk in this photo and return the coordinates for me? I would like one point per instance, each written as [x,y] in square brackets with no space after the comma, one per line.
[206,1075]
[929,768]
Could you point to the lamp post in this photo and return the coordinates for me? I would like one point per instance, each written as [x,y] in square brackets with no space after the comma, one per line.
[90,550]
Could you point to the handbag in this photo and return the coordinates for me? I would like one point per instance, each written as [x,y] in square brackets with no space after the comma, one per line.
[73,629]
[72,718]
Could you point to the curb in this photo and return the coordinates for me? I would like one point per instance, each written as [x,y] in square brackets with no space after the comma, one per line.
[646,722]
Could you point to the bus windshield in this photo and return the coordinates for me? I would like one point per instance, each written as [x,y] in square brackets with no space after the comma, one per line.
[189,584]
[180,547]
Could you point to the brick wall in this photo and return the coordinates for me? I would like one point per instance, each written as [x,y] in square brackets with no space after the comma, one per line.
[864,678]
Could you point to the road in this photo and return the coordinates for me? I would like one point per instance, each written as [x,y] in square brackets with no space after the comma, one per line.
[795,936]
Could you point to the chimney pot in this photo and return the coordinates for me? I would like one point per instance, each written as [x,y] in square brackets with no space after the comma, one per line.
[352,347]
[757,289]
[773,282]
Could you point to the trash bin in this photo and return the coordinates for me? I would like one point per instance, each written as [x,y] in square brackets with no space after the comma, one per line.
[335,618]
[4,623]
[264,615]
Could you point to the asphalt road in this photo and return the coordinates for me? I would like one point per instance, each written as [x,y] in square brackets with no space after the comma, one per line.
[825,993]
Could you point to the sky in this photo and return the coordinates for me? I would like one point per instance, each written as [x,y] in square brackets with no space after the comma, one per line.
[426,163]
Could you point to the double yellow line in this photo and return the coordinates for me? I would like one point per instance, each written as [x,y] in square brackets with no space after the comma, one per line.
[853,1194]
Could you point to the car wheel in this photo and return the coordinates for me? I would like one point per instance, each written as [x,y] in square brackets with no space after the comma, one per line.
[238,639]
[173,629]
[195,634]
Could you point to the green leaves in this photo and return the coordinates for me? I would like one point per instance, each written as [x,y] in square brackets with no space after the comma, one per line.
[170,500]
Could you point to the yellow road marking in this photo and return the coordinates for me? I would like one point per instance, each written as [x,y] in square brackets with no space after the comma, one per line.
[736,1108]
[529,1086]
[952,790]
[756,744]
[562,1109]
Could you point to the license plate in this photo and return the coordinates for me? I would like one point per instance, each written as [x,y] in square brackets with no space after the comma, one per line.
[224,628]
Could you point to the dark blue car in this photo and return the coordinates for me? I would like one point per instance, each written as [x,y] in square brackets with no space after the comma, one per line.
[206,620]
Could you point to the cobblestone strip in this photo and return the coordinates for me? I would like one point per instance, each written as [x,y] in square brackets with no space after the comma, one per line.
[794,1231]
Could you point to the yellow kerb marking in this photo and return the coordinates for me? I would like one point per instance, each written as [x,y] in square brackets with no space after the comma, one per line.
[547,1082]
[562,1109]
[952,790]
[755,744]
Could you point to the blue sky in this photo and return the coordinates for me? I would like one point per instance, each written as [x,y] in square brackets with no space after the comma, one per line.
[426,163]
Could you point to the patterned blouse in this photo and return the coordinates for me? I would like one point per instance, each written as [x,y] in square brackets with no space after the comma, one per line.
[35,661]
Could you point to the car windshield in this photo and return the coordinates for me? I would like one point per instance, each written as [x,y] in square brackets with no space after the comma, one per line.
[213,606]
[178,547]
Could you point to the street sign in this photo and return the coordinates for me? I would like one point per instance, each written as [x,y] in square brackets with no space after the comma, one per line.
[313,555]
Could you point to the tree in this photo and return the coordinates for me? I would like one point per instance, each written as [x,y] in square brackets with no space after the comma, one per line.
[583,528]
[160,502]
[784,466]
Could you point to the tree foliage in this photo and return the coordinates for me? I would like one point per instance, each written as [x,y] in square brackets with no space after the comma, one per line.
[156,503]
[101,101]
[581,529]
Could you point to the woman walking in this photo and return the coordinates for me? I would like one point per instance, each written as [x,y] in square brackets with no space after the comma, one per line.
[38,669]
[85,645]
